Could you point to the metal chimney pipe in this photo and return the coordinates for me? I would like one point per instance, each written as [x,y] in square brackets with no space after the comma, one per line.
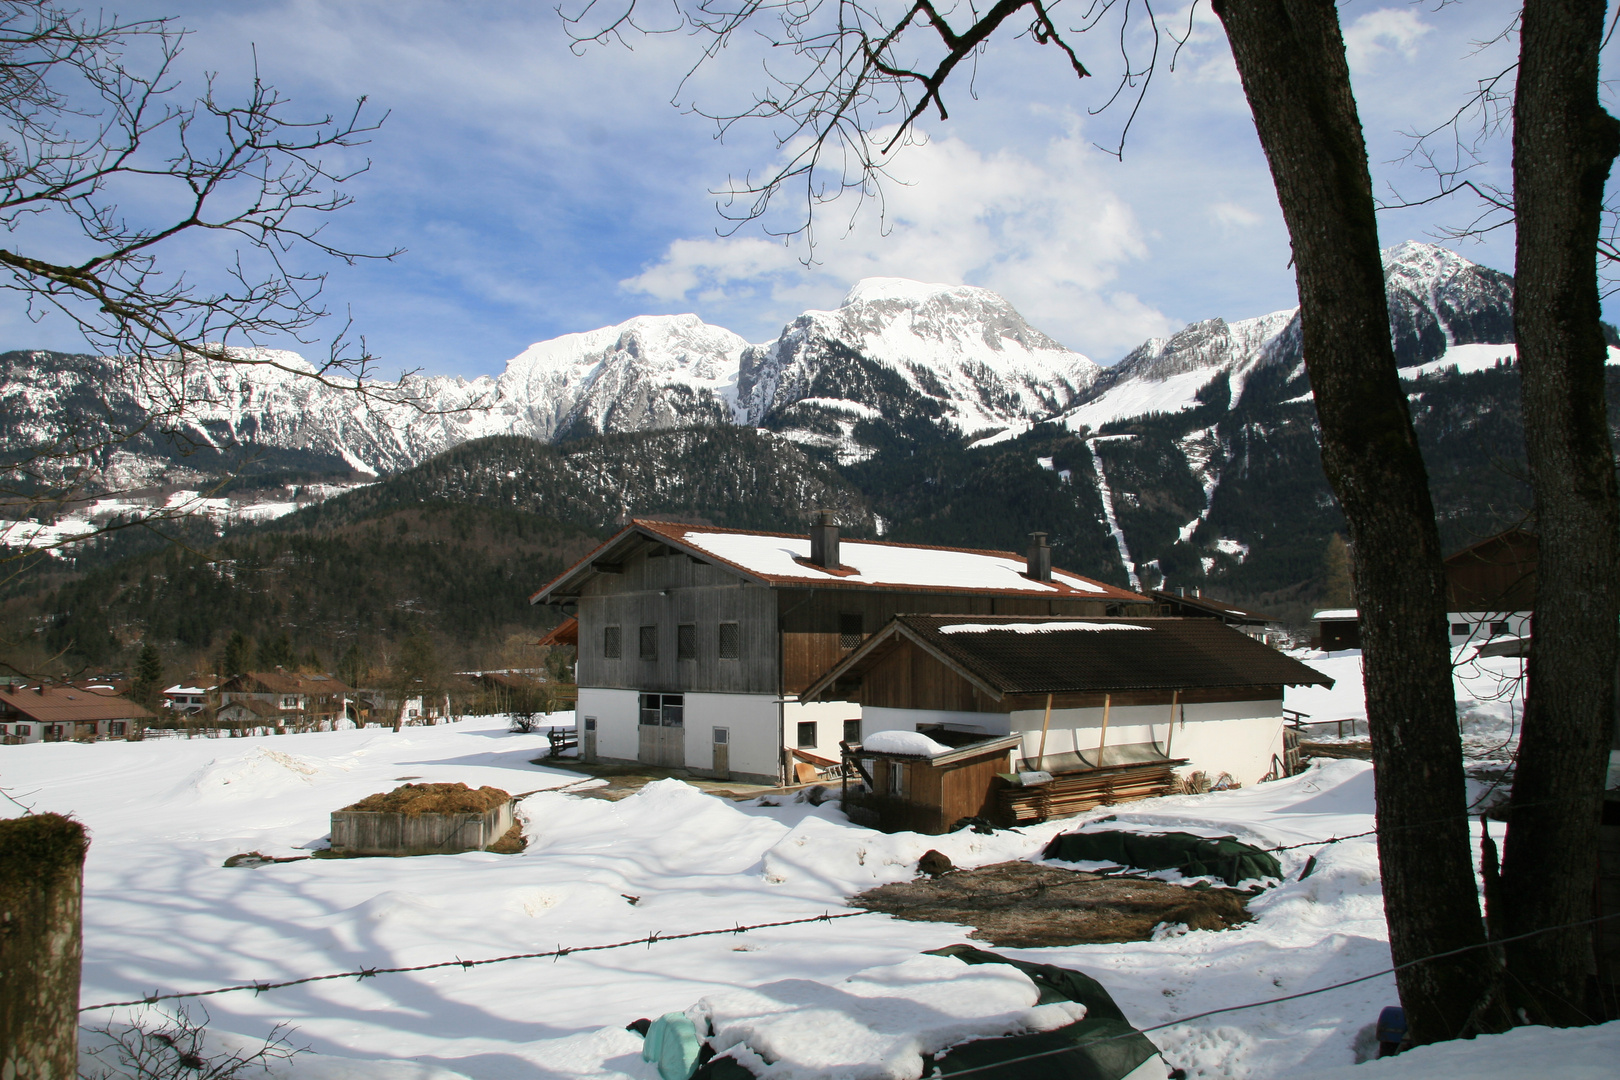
[824,541]
[1039,567]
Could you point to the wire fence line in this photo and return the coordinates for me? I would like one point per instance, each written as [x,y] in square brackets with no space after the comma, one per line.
[553,954]
[1280,999]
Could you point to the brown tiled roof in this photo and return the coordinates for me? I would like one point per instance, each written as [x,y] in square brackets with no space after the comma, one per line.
[283,682]
[253,705]
[564,633]
[679,536]
[1220,609]
[1163,654]
[69,704]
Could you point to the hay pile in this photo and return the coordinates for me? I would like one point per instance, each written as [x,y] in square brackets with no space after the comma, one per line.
[414,799]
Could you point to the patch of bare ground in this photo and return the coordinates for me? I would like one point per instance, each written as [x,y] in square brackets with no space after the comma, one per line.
[512,843]
[1024,905]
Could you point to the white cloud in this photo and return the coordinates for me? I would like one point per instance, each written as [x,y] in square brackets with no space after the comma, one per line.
[1382,33]
[1047,232]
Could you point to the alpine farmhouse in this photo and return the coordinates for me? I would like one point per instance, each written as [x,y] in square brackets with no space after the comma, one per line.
[695,642]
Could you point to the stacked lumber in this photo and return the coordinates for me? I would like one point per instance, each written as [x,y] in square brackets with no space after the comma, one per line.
[1071,792]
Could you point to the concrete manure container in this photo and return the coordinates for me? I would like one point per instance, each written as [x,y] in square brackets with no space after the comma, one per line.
[423,819]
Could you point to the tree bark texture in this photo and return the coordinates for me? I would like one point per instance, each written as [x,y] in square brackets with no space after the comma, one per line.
[41,885]
[1563,146]
[1290,56]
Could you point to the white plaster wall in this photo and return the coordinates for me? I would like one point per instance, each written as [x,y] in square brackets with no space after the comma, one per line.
[878,719]
[617,712]
[1235,737]
[1479,625]
[751,720]
[829,717]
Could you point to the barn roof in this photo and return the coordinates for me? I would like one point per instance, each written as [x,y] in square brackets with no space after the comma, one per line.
[1009,655]
[283,682]
[70,704]
[1198,606]
[783,560]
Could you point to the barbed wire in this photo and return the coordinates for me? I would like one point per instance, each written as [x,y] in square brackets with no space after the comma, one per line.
[554,954]
[1279,1000]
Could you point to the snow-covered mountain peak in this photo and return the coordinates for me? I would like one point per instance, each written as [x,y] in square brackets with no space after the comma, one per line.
[1438,299]
[875,290]
[663,342]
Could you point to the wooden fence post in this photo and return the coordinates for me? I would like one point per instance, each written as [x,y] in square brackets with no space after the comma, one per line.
[41,946]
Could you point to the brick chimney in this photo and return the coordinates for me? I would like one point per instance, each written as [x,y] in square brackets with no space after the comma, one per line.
[1039,567]
[824,541]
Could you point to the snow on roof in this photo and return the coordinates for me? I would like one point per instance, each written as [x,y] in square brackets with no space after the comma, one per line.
[904,742]
[1033,628]
[773,555]
[1336,614]
[178,689]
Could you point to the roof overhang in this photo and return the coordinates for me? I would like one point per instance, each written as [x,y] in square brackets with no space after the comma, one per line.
[882,642]
[1001,744]
[609,558]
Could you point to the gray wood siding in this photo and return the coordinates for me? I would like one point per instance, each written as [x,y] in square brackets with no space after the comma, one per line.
[665,592]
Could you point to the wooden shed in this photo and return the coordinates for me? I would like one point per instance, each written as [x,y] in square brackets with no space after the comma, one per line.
[1099,704]
[930,792]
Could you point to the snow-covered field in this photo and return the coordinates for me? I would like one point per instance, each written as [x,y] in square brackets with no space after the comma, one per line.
[162,913]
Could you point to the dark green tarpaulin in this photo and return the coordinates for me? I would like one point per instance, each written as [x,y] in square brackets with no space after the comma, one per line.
[1193,856]
[1103,1046]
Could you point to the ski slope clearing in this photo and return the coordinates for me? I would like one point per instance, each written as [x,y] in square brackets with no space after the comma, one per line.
[163,914]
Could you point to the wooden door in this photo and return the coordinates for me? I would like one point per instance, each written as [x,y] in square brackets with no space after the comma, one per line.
[587,743]
[722,752]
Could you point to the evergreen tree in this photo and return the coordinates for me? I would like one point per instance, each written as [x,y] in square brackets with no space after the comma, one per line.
[275,652]
[1338,588]
[148,676]
[237,657]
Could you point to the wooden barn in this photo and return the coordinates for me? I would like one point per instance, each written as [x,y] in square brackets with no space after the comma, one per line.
[1491,588]
[929,788]
[1109,707]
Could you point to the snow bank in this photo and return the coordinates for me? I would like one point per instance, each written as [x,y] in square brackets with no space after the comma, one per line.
[904,742]
[876,1024]
[1567,1053]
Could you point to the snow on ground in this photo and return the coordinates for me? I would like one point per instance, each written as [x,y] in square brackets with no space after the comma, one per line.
[161,912]
[1490,698]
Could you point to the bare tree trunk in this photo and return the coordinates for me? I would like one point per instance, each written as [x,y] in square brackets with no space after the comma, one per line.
[1290,56]
[1563,146]
[41,888]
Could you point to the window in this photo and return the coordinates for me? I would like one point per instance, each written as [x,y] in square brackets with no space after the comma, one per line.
[289,702]
[1498,628]
[807,734]
[23,729]
[849,631]
[722,736]
[1459,629]
[612,643]
[590,723]
[116,727]
[852,731]
[897,779]
[730,640]
[663,710]
[649,642]
[686,642]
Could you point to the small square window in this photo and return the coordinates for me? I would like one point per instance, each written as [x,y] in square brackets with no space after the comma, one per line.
[1459,629]
[849,631]
[649,642]
[722,736]
[24,729]
[612,642]
[650,710]
[590,723]
[1498,628]
[807,735]
[673,713]
[852,731]
[730,640]
[686,642]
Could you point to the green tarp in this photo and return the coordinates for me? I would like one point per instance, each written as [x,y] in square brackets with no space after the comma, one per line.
[1192,856]
[1102,1046]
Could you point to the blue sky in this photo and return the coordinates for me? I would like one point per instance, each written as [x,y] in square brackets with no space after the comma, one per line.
[538,192]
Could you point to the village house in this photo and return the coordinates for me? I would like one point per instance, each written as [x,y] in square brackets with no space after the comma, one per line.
[1256,624]
[1103,708]
[694,642]
[40,713]
[1491,588]
[282,698]
[186,700]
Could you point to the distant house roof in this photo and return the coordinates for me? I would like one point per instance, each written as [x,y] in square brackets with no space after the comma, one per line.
[1009,655]
[69,704]
[178,688]
[1345,614]
[1209,607]
[782,560]
[564,633]
[1497,573]
[282,682]
[261,709]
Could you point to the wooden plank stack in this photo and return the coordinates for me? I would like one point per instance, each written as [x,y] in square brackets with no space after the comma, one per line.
[1072,792]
